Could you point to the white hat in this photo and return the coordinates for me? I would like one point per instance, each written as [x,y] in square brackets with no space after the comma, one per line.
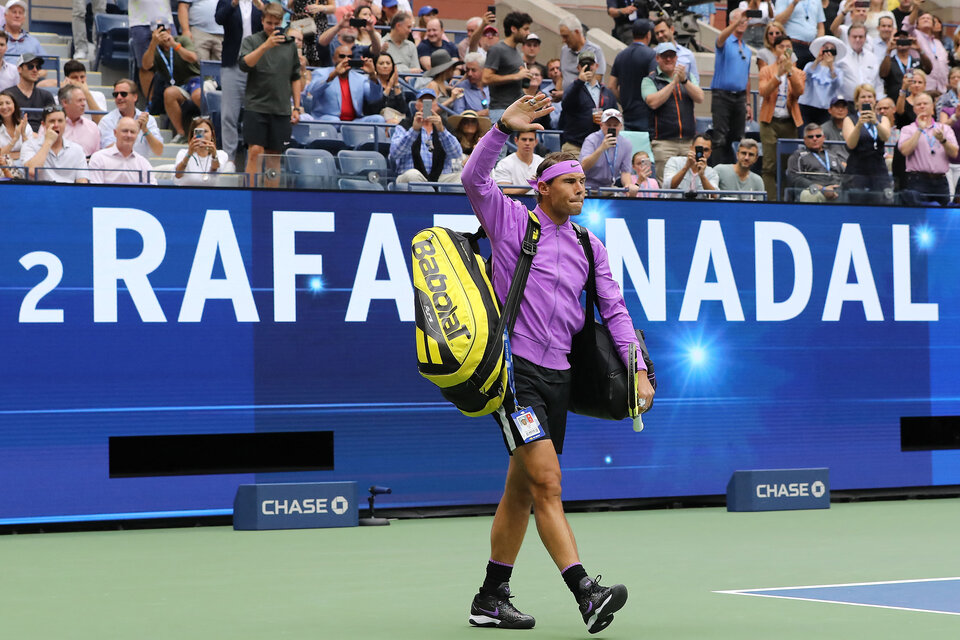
[13,3]
[611,113]
[818,44]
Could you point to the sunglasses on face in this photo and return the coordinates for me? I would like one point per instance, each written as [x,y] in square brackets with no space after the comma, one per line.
[815,135]
[342,56]
[33,66]
[120,94]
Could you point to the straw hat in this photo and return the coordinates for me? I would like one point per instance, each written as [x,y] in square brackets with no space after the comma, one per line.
[483,122]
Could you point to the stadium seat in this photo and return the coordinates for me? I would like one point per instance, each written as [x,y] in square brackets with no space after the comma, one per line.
[361,163]
[355,135]
[704,124]
[352,184]
[113,45]
[317,135]
[550,140]
[451,188]
[310,169]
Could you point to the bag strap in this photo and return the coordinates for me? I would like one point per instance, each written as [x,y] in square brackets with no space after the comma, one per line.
[591,287]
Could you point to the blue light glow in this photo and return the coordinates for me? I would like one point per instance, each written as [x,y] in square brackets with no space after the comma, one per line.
[924,236]
[593,214]
[697,355]
[608,460]
[316,284]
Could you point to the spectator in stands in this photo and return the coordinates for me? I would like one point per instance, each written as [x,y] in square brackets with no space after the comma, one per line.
[664,31]
[574,43]
[767,54]
[442,68]
[896,64]
[630,67]
[950,116]
[531,49]
[851,12]
[343,93]
[175,80]
[951,97]
[82,48]
[468,127]
[584,97]
[198,24]
[555,78]
[781,85]
[624,14]
[867,178]
[239,19]
[729,95]
[317,11]
[756,27]
[914,83]
[640,182]
[392,93]
[77,128]
[803,21]
[833,127]
[520,166]
[389,9]
[367,36]
[119,163]
[14,128]
[149,141]
[400,48]
[814,173]
[920,26]
[503,70]
[928,146]
[75,74]
[473,27]
[51,157]
[823,79]
[26,93]
[9,75]
[476,95]
[423,150]
[738,177]
[690,172]
[902,11]
[201,158]
[144,16]
[859,66]
[671,96]
[884,43]
[434,38]
[424,15]
[19,41]
[273,79]
[343,33]
[606,155]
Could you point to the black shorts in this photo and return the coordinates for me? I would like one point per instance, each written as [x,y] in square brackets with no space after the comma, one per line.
[547,391]
[266,130]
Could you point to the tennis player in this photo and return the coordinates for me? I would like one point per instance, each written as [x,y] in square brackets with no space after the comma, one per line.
[533,418]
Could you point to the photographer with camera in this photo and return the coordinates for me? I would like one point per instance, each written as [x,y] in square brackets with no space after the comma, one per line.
[624,14]
[359,31]
[903,55]
[584,102]
[867,178]
[691,173]
[175,80]
[606,155]
[342,92]
[272,64]
[422,149]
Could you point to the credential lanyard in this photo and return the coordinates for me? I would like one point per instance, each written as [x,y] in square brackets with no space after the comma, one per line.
[826,165]
[168,63]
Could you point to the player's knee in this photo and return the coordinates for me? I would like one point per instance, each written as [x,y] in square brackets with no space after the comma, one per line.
[545,485]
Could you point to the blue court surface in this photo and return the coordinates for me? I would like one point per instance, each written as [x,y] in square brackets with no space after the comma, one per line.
[932,595]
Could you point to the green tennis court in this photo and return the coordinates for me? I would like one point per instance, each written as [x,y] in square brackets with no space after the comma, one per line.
[415,578]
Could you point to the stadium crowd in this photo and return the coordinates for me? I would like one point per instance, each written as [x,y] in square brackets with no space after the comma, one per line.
[871,88]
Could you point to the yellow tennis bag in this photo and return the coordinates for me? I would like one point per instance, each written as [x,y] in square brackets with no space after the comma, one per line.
[460,327]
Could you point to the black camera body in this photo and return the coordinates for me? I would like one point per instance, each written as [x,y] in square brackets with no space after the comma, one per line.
[358,23]
[355,63]
[698,153]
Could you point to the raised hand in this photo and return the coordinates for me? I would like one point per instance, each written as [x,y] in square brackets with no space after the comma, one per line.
[520,115]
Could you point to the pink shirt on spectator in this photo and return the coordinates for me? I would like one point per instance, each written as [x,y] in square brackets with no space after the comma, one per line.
[933,49]
[85,133]
[109,166]
[921,159]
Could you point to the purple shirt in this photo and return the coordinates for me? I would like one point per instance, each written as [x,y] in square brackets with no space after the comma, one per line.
[921,159]
[550,312]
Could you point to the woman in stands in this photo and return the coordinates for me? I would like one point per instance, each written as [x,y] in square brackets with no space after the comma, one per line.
[389,80]
[867,180]
[767,54]
[442,70]
[201,158]
[948,108]
[363,12]
[318,11]
[14,128]
[822,79]
[643,179]
[468,127]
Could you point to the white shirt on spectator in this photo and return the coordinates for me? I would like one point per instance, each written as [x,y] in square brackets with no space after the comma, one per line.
[109,123]
[675,165]
[513,171]
[68,165]
[859,68]
[146,12]
[9,75]
[198,169]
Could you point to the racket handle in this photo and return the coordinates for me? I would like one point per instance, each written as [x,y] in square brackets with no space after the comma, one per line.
[638,424]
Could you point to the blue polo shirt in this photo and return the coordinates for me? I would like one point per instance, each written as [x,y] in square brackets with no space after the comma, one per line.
[803,22]
[731,69]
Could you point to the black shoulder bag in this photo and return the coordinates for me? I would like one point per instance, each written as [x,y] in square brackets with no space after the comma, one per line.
[599,380]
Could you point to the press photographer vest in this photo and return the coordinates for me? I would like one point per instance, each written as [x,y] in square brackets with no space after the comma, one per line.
[674,118]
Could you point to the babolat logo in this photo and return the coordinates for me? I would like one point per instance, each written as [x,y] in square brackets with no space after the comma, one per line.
[436,282]
[298,505]
[773,489]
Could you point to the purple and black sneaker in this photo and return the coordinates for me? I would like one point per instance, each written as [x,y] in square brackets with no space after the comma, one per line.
[598,604]
[495,610]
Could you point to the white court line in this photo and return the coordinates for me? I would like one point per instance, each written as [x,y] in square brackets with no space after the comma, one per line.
[749,592]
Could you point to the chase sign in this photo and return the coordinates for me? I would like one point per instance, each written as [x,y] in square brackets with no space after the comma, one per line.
[304,505]
[779,489]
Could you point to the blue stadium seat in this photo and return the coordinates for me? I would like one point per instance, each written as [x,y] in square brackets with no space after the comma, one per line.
[451,188]
[310,169]
[355,135]
[551,140]
[357,163]
[317,135]
[704,124]
[352,184]
[113,45]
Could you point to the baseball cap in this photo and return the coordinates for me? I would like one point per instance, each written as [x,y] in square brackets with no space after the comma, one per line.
[533,36]
[16,3]
[663,47]
[389,3]
[586,55]
[611,113]
[426,91]
[29,57]
[837,98]
[490,29]
[426,10]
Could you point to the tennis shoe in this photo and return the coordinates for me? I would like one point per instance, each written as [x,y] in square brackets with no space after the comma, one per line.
[598,603]
[495,610]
